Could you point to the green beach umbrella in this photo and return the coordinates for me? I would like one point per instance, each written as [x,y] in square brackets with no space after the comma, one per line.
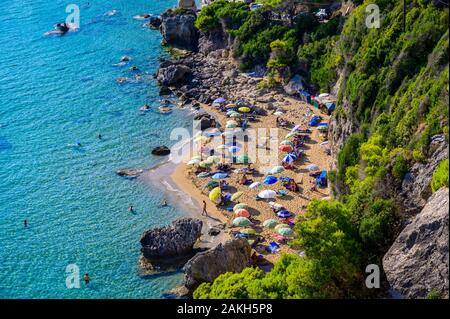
[240,206]
[280,226]
[236,196]
[277,169]
[205,164]
[270,223]
[212,184]
[231,125]
[287,232]
[241,222]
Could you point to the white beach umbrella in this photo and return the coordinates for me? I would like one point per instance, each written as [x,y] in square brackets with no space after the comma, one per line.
[268,193]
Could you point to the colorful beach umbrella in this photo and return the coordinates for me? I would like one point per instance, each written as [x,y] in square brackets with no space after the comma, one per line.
[219,175]
[230,106]
[312,167]
[285,148]
[284,214]
[266,194]
[254,185]
[236,196]
[289,158]
[269,180]
[242,213]
[248,231]
[205,164]
[231,125]
[214,195]
[212,184]
[270,223]
[240,206]
[220,100]
[277,170]
[244,109]
[235,114]
[287,232]
[279,226]
[286,142]
[278,113]
[213,159]
[203,174]
[241,222]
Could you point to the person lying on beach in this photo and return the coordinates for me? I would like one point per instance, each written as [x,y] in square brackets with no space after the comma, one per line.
[292,186]
[244,180]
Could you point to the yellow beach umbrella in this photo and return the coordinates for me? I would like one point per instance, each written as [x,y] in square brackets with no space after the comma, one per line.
[236,196]
[214,195]
[244,109]
[248,231]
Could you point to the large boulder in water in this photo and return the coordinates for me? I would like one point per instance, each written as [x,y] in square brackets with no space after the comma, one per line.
[173,74]
[233,256]
[174,241]
[161,151]
[417,262]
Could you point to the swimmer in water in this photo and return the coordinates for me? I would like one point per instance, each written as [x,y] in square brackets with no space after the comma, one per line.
[25,223]
[99,136]
[86,278]
[131,209]
[164,203]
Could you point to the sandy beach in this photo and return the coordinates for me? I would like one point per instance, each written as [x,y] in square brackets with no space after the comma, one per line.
[182,182]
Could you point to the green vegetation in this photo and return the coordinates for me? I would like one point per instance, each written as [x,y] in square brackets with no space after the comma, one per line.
[231,14]
[393,97]
[440,176]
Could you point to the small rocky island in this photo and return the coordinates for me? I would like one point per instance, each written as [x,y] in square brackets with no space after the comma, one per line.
[174,247]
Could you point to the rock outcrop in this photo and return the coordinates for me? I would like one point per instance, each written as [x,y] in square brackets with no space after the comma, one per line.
[233,256]
[161,151]
[178,30]
[187,4]
[417,262]
[294,85]
[173,74]
[175,240]
[415,189]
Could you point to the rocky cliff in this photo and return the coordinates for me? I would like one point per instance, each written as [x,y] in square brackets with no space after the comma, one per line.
[177,29]
[417,262]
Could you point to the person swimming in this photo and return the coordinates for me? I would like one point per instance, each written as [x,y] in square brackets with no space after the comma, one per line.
[86,278]
[25,223]
[164,203]
[99,136]
[131,209]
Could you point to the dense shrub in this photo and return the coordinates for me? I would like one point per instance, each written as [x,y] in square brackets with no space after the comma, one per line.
[440,176]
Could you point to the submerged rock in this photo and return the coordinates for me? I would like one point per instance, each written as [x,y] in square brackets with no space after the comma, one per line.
[417,262]
[233,256]
[129,172]
[174,240]
[161,151]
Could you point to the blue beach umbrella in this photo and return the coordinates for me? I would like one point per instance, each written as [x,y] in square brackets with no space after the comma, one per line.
[220,100]
[284,214]
[219,175]
[289,158]
[269,180]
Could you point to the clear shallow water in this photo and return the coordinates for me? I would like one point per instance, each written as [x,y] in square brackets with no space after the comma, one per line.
[53,92]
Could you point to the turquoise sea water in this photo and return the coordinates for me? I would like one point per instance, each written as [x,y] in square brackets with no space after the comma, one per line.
[54,92]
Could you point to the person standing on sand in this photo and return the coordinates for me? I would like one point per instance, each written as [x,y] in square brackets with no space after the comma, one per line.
[204,212]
